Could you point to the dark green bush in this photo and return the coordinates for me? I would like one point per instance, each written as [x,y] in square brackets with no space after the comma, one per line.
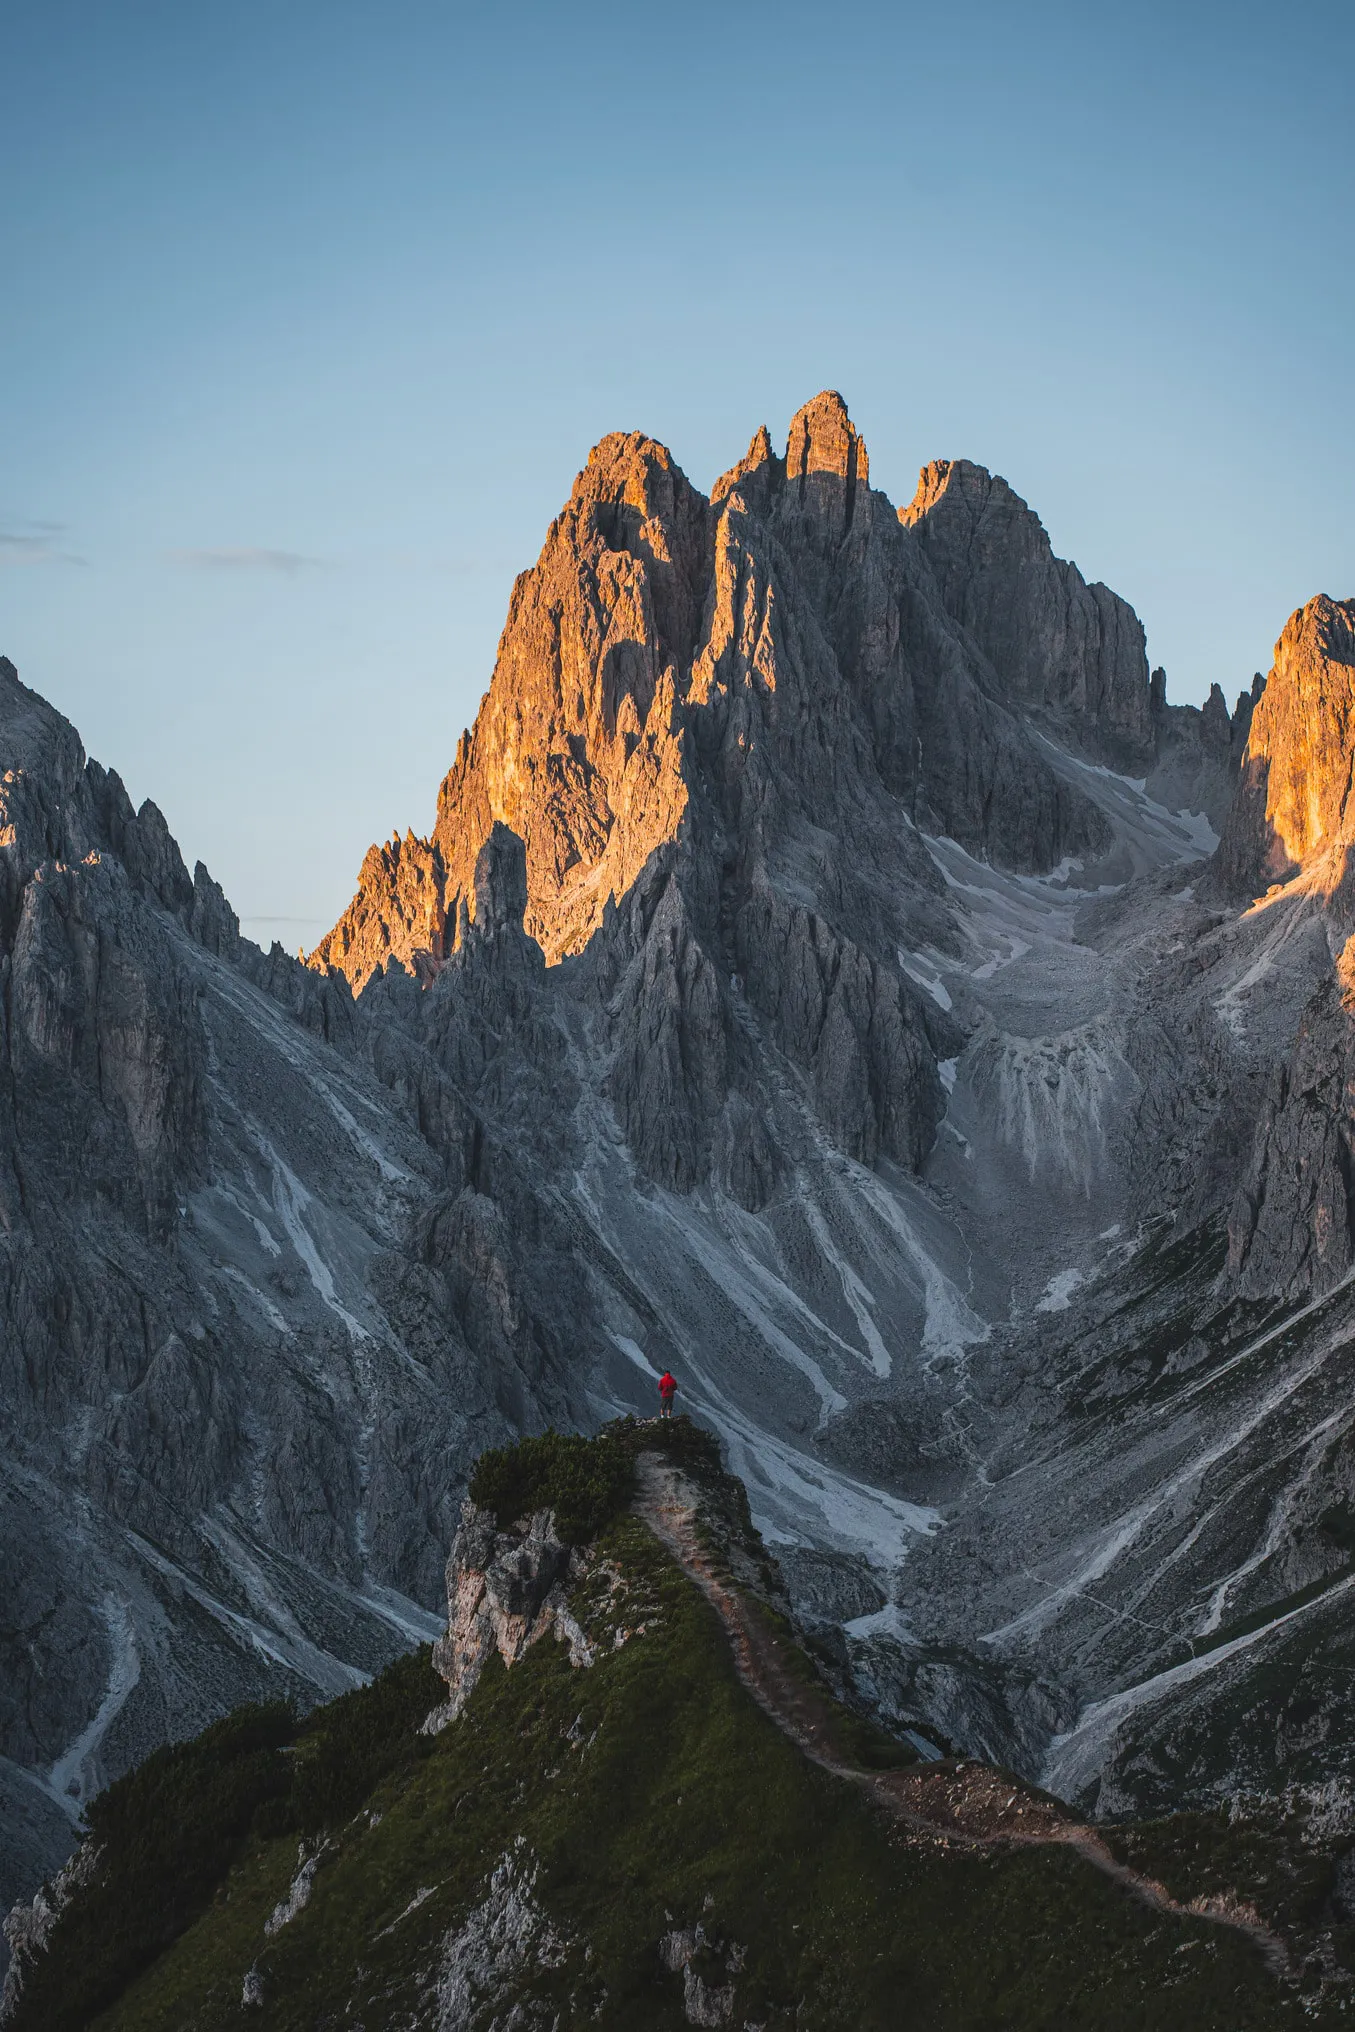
[585,1481]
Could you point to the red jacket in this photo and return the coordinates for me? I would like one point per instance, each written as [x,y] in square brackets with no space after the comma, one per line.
[667,1387]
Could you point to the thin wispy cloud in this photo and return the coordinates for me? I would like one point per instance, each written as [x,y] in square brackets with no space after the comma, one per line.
[246,557]
[26,542]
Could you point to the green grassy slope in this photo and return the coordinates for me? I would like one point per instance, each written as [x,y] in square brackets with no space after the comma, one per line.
[646,1795]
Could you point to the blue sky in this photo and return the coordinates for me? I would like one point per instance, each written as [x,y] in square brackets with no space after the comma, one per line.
[312,311]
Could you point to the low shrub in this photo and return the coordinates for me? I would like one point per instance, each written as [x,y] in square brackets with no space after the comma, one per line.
[585,1481]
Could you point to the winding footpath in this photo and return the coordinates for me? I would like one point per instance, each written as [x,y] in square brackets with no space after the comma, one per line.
[957,1804]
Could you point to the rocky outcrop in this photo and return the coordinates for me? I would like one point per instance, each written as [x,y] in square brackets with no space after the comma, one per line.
[505,1590]
[1054,641]
[28,1927]
[271,1274]
[747,1012]
[693,700]
[1293,805]
[575,747]
[832,670]
[849,1022]
[1291,1228]
[482,1961]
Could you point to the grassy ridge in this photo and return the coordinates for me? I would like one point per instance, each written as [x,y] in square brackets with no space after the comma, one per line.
[647,1793]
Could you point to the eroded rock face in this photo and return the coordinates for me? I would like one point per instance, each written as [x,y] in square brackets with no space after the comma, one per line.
[1054,640]
[1199,750]
[1291,1229]
[767,649]
[270,1278]
[694,703]
[575,747]
[746,1014]
[28,1927]
[500,1938]
[1291,1226]
[505,1589]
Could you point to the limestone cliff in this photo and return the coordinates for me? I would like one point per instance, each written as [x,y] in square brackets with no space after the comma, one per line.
[1293,807]
[1287,842]
[781,648]
[696,702]
[505,1591]
[1054,640]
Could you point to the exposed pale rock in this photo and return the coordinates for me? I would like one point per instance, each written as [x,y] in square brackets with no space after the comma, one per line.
[846,1019]
[505,1589]
[308,1861]
[499,1939]
[692,700]
[1199,750]
[250,1232]
[669,1076]
[277,1260]
[575,747]
[705,2001]
[1291,1227]
[638,649]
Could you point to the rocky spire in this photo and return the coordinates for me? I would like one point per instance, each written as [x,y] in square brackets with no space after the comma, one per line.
[1294,802]
[629,704]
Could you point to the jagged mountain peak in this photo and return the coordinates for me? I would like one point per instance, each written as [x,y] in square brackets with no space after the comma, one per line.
[1293,810]
[37,736]
[632,694]
[1056,643]
[500,883]
[823,439]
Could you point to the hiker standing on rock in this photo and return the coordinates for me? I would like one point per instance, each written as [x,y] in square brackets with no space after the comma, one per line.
[667,1392]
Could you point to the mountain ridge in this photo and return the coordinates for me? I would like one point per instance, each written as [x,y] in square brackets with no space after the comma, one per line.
[885,1061]
[636,617]
[666,1816]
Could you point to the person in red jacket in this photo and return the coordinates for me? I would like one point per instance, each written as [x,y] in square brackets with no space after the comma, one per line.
[667,1392]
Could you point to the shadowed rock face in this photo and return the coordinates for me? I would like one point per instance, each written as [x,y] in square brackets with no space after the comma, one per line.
[696,703]
[255,1252]
[1054,640]
[1291,1229]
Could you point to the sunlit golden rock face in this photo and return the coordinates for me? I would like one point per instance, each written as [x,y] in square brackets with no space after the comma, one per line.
[780,653]
[1294,806]
[576,745]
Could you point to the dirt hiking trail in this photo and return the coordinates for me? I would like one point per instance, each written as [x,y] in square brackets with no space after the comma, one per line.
[954,1803]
